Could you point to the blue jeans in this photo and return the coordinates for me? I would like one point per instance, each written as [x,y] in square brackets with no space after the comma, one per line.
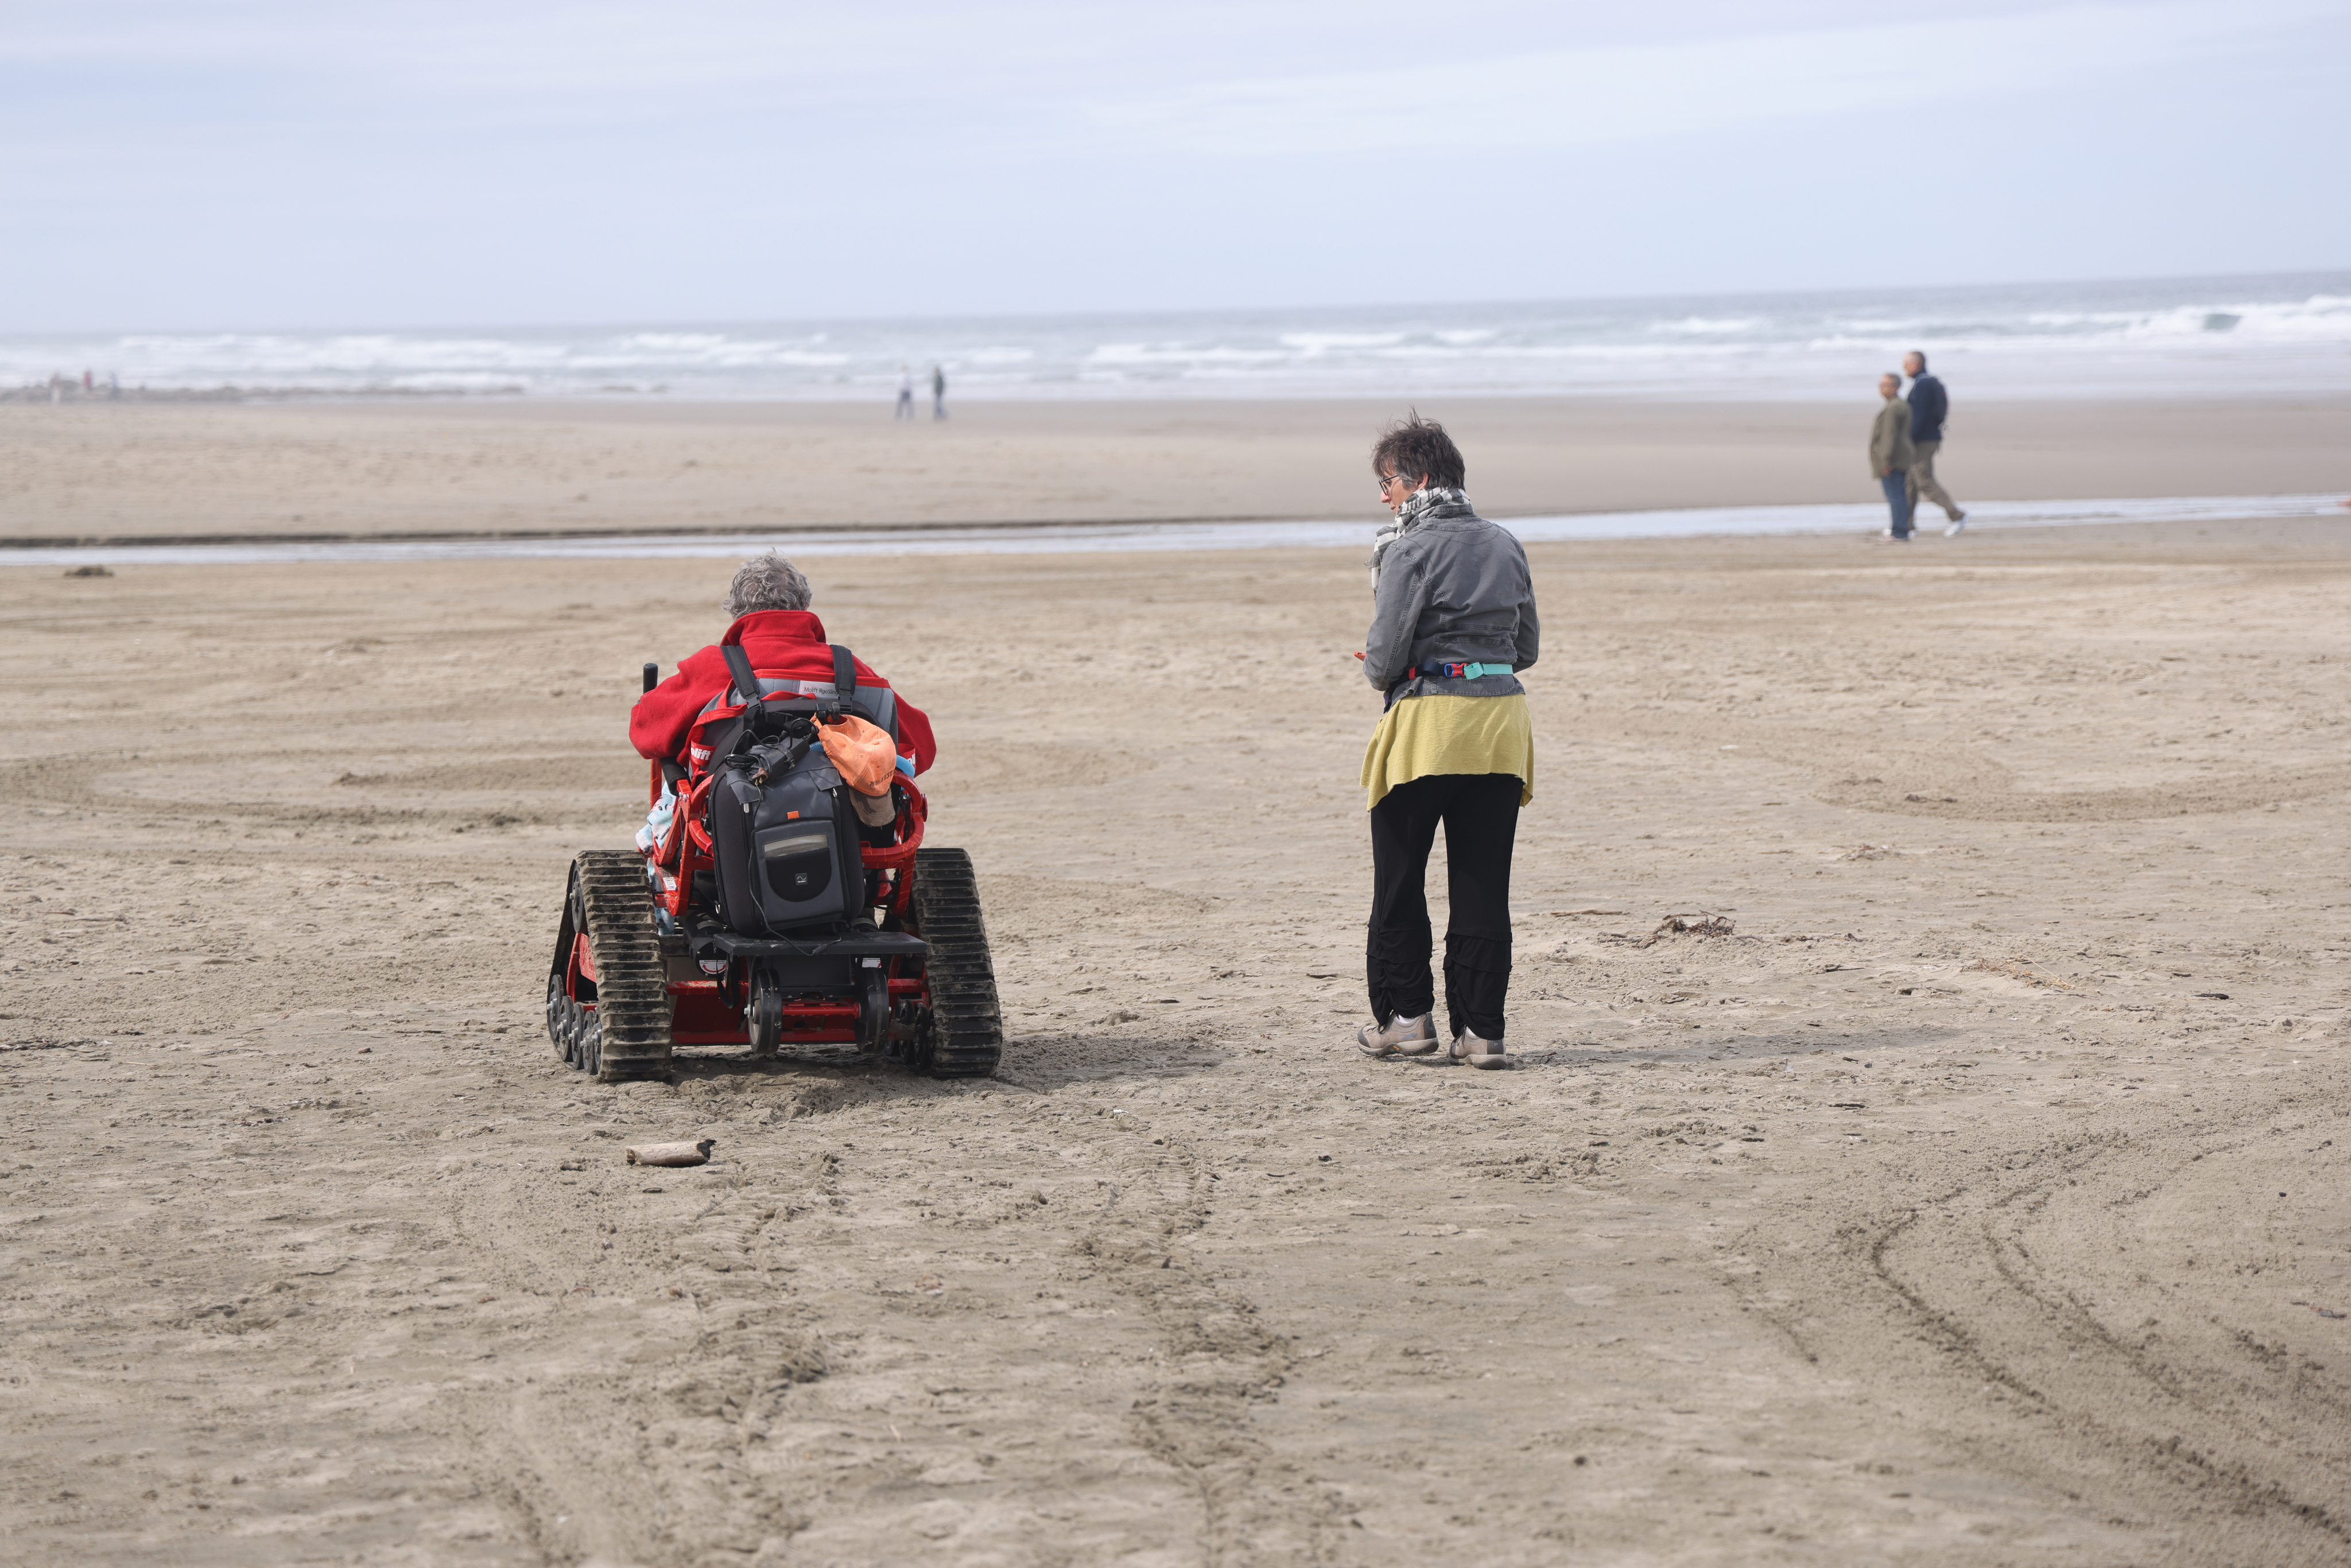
[1897,486]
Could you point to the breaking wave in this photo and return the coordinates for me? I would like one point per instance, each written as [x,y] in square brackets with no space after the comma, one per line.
[2179,338]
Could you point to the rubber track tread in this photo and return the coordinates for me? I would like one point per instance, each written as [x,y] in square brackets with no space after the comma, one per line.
[968,1021]
[632,990]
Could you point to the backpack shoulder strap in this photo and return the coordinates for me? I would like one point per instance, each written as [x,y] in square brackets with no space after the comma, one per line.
[738,665]
[844,679]
[746,687]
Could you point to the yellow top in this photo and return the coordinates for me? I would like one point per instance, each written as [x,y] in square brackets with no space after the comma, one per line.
[1435,734]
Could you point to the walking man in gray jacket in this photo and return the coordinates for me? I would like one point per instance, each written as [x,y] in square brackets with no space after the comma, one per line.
[1889,454]
[1929,406]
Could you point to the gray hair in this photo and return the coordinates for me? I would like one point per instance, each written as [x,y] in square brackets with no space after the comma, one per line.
[767,582]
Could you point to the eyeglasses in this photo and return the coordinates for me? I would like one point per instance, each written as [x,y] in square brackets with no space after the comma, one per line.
[1388,479]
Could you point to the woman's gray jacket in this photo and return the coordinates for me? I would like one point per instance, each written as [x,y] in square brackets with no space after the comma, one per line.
[1452,587]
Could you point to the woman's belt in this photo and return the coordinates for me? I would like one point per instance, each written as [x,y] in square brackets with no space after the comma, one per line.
[1456,670]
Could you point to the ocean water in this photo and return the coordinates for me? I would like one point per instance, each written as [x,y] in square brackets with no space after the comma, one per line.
[1857,518]
[2187,337]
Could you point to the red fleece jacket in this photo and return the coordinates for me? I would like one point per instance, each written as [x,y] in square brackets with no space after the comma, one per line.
[784,643]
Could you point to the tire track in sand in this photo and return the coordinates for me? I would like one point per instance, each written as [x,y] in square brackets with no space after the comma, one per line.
[1255,1507]
[2016,1301]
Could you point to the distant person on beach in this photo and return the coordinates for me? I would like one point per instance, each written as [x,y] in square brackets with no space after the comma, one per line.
[1929,406]
[1453,619]
[1889,454]
[905,408]
[939,392]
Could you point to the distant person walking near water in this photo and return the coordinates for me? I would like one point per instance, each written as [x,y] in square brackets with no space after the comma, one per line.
[1889,454]
[939,392]
[905,408]
[1929,406]
[1453,618]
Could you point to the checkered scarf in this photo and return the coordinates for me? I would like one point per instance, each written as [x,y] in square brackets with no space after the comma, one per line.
[1427,500]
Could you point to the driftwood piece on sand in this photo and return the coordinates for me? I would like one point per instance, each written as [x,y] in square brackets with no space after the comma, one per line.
[693,1154]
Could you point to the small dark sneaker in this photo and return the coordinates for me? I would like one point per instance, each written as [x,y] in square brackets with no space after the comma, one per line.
[1480,1053]
[1399,1037]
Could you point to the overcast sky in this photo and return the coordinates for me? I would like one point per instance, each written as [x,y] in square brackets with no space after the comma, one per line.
[243,163]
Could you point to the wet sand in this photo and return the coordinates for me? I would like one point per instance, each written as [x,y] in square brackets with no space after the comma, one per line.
[144,471]
[1980,1199]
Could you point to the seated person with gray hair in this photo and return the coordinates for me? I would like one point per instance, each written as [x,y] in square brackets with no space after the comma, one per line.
[769,604]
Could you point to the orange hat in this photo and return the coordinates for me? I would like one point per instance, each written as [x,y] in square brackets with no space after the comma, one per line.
[860,753]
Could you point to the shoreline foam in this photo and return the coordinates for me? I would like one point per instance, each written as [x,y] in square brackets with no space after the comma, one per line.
[2133,339]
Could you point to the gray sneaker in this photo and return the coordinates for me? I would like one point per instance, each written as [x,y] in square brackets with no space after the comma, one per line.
[1479,1053]
[1399,1037]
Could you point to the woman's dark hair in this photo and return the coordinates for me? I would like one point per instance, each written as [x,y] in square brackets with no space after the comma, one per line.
[1418,448]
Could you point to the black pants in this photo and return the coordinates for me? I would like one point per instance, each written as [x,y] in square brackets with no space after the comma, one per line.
[1480,813]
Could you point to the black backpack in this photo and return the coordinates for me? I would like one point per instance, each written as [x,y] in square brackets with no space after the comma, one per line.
[784,840]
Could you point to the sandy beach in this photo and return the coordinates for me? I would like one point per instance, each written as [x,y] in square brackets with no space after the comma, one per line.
[1979,1200]
[135,471]
[1924,1134]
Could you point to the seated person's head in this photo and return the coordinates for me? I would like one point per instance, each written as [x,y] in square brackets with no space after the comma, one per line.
[767,582]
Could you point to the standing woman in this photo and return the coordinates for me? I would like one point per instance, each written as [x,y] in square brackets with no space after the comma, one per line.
[1453,619]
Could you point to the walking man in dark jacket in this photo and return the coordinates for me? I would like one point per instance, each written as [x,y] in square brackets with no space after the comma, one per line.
[1929,406]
